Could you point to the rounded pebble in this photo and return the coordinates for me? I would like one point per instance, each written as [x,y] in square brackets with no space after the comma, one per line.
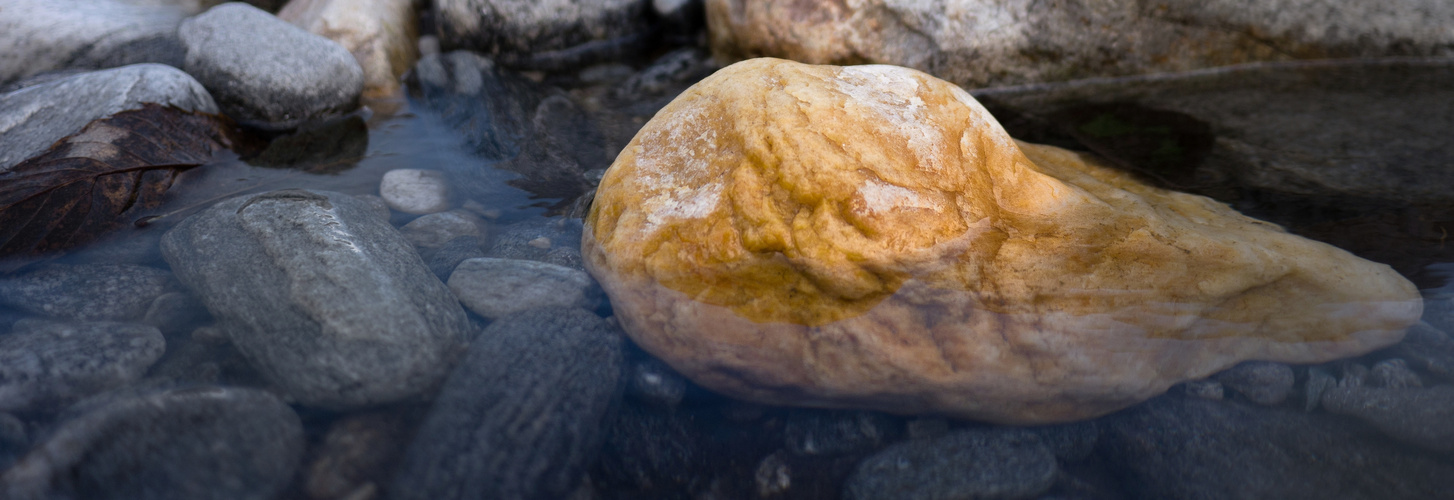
[415,191]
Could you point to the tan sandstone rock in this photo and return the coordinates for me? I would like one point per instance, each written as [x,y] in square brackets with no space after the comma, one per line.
[379,33]
[1003,42]
[870,237]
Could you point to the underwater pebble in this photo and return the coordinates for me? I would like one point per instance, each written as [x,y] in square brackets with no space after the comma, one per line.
[522,414]
[45,365]
[377,203]
[514,242]
[971,463]
[1319,381]
[356,454]
[837,432]
[415,191]
[1354,375]
[1262,382]
[1422,417]
[1070,442]
[1205,389]
[651,381]
[443,260]
[175,313]
[1394,374]
[93,292]
[434,230]
[656,454]
[496,287]
[200,443]
[773,476]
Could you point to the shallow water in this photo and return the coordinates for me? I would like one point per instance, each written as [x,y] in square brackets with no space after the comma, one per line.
[709,446]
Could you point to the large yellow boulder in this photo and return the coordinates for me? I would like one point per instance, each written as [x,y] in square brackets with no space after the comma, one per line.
[870,237]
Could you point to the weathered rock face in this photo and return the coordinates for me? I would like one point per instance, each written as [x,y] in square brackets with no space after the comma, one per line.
[524,26]
[870,237]
[998,42]
[379,34]
[46,35]
[326,300]
[44,363]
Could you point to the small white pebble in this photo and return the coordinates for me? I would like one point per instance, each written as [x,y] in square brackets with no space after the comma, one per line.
[541,243]
[414,191]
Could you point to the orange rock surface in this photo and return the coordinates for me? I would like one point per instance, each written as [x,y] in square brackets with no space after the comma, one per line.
[870,237]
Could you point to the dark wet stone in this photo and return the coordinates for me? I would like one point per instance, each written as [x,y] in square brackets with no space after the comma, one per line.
[195,443]
[773,476]
[1422,417]
[1354,375]
[556,241]
[434,230]
[1172,447]
[1428,349]
[95,292]
[1205,389]
[522,414]
[358,453]
[527,26]
[47,35]
[667,75]
[926,427]
[1319,381]
[1261,382]
[651,381]
[970,463]
[519,125]
[326,147]
[266,72]
[328,302]
[46,365]
[35,117]
[1069,442]
[14,440]
[175,313]
[498,287]
[650,453]
[1394,374]
[838,432]
[443,260]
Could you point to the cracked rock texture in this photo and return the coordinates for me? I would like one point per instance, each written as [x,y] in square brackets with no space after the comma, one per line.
[877,240]
[1004,42]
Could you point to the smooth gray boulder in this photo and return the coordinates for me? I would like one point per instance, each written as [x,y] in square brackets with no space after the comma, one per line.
[522,415]
[327,301]
[47,35]
[34,117]
[497,287]
[200,443]
[89,292]
[266,72]
[45,365]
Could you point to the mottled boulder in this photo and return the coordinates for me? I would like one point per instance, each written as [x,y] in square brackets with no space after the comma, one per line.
[34,117]
[379,34]
[525,26]
[326,300]
[870,237]
[522,415]
[46,365]
[48,35]
[198,442]
[94,292]
[266,72]
[980,43]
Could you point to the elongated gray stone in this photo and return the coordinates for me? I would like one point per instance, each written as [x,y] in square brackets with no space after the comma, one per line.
[101,292]
[522,416]
[200,443]
[43,363]
[32,118]
[326,300]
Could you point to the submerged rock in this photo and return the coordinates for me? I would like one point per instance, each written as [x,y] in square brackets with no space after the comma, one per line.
[497,287]
[379,34]
[95,292]
[200,442]
[977,43]
[883,244]
[46,365]
[266,72]
[35,117]
[328,302]
[522,416]
[48,35]
[1418,416]
[975,463]
[527,26]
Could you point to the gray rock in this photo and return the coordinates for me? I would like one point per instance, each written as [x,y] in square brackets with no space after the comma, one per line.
[970,463]
[47,35]
[328,302]
[175,313]
[1394,374]
[1319,381]
[443,260]
[1205,389]
[196,443]
[554,241]
[522,415]
[523,127]
[981,43]
[94,292]
[357,453]
[1070,442]
[1174,447]
[654,453]
[1262,382]
[434,230]
[651,381]
[526,26]
[1354,375]
[773,476]
[46,365]
[673,71]
[267,72]
[1422,417]
[14,441]
[1429,349]
[837,432]
[497,287]
[33,118]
